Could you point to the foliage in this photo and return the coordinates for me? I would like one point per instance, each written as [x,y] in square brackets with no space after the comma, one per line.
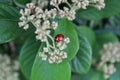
[86,42]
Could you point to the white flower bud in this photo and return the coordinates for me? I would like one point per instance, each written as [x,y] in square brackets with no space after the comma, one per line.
[26,27]
[30,18]
[46,49]
[63,54]
[54,25]
[67,40]
[43,56]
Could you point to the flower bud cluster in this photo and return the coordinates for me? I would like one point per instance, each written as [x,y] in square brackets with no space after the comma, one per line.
[40,19]
[8,69]
[110,54]
[69,12]
[85,3]
[41,3]
[55,54]
[36,14]
[99,4]
[108,69]
[44,19]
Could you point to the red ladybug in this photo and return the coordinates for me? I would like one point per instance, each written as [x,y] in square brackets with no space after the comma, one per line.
[59,37]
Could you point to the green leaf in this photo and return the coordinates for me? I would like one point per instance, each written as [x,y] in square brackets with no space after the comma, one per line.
[113,24]
[43,70]
[5,1]
[82,62]
[116,75]
[96,50]
[88,33]
[91,75]
[112,8]
[98,76]
[27,56]
[8,12]
[21,2]
[103,38]
[9,29]
[67,29]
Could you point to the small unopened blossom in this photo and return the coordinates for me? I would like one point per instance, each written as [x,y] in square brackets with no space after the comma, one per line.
[54,25]
[43,56]
[26,26]
[46,49]
[84,4]
[63,55]
[71,15]
[8,68]
[67,40]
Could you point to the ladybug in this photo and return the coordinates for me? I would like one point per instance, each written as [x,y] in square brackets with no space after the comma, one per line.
[59,37]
